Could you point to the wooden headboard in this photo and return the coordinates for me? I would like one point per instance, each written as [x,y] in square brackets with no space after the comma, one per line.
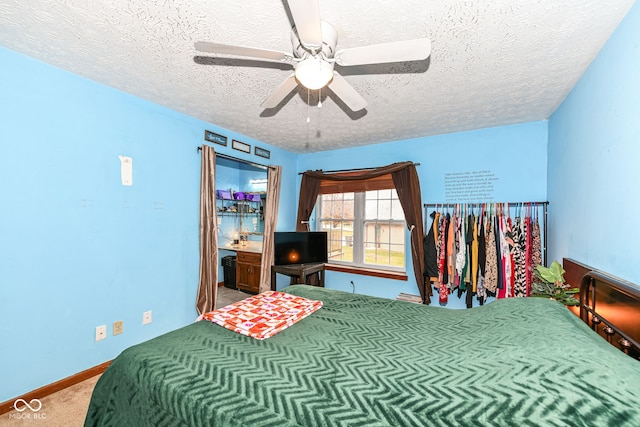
[611,306]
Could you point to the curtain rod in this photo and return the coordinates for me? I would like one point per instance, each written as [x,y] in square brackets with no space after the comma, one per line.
[237,159]
[349,170]
[481,203]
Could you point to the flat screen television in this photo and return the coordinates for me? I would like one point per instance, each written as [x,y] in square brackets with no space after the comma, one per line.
[297,247]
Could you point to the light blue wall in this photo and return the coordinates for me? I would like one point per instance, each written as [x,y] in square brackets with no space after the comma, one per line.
[515,156]
[78,249]
[594,155]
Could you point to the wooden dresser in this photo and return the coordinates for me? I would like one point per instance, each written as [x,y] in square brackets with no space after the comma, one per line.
[248,271]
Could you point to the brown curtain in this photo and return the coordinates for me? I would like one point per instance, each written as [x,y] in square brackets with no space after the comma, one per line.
[309,190]
[408,188]
[208,283]
[404,179]
[270,222]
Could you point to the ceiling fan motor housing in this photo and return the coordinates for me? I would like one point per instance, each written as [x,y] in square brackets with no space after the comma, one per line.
[329,42]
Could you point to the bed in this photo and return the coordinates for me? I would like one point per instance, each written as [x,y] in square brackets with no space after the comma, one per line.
[367,361]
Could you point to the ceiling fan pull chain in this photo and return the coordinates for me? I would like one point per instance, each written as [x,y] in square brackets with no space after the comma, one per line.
[320,98]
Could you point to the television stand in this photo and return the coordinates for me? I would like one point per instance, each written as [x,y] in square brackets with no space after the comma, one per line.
[298,272]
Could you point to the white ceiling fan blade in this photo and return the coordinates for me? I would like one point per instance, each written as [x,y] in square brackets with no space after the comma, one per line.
[409,50]
[281,92]
[247,52]
[306,16]
[346,93]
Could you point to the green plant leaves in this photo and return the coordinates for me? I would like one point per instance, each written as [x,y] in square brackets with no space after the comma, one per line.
[550,284]
[553,274]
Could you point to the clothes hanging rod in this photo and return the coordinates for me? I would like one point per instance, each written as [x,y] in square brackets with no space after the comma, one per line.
[348,170]
[482,203]
[544,217]
[247,162]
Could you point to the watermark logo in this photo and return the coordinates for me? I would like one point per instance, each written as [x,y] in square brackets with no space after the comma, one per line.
[37,405]
[27,410]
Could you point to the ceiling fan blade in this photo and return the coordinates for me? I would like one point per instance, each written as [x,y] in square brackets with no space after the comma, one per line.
[346,93]
[247,52]
[409,50]
[306,16]
[281,92]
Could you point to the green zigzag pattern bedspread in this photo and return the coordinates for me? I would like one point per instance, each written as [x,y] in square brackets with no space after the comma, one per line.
[365,361]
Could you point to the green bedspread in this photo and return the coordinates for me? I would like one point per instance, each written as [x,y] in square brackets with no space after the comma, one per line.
[365,361]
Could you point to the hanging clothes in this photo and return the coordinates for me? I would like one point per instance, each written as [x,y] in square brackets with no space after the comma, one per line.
[482,244]
[536,246]
[469,243]
[520,281]
[508,269]
[491,258]
[505,255]
[451,250]
[496,231]
[430,249]
[481,291]
[440,248]
[461,254]
[474,256]
[446,249]
[443,290]
[528,254]
[492,252]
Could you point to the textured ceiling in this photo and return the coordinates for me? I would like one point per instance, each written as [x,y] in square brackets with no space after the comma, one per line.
[493,62]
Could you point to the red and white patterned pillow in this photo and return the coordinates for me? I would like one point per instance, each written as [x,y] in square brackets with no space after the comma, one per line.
[264,315]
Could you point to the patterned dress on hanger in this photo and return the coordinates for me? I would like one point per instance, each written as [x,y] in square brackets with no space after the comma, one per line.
[520,282]
[481,291]
[491,261]
[536,244]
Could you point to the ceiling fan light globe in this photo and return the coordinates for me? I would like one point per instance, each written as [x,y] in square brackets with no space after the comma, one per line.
[314,73]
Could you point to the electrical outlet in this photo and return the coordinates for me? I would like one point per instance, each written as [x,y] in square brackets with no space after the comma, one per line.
[118,327]
[146,317]
[101,332]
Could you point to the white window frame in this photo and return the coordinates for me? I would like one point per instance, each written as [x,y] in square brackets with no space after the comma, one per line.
[359,221]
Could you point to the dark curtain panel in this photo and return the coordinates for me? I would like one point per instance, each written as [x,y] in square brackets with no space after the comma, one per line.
[405,180]
[309,190]
[408,188]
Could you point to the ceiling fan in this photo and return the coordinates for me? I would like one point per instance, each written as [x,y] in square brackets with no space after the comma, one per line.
[314,55]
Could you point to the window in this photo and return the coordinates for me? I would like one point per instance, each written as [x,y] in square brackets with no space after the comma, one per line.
[364,229]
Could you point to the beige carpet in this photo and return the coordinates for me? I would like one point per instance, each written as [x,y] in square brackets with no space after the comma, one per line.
[68,407]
